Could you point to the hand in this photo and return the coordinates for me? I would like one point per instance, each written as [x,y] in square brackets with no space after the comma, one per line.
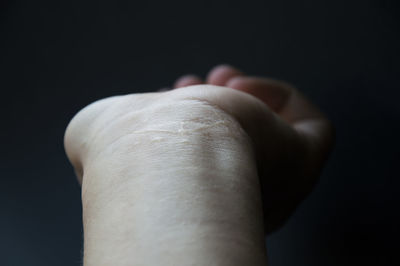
[290,162]
[160,170]
[169,178]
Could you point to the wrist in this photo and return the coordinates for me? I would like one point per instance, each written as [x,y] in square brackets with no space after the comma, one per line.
[176,199]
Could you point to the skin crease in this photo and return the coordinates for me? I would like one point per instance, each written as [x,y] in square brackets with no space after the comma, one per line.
[195,175]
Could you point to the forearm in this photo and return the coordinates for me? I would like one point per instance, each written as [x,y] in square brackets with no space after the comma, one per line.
[184,199]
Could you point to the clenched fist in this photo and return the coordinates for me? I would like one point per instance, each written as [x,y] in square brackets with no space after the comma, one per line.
[196,175]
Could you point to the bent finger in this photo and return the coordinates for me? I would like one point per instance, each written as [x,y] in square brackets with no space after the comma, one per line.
[221,74]
[187,80]
[291,106]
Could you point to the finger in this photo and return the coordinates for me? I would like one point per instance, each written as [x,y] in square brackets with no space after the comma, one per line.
[221,74]
[271,92]
[311,123]
[187,80]
[293,107]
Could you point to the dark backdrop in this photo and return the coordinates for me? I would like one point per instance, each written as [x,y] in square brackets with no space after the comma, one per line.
[58,56]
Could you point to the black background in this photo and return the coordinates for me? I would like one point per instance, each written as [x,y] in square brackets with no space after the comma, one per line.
[58,56]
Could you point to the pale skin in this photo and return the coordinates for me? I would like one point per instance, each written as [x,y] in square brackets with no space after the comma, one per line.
[196,175]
